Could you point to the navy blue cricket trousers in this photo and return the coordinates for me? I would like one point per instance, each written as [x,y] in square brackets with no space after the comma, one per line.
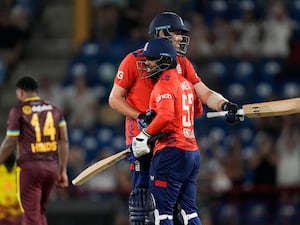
[173,177]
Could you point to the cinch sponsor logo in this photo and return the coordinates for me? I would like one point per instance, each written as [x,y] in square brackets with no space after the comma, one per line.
[163,96]
[41,108]
[185,85]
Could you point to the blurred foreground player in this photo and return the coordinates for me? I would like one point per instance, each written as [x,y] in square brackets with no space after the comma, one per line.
[175,163]
[39,132]
[10,212]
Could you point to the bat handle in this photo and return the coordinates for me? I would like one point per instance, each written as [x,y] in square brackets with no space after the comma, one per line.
[216,114]
[222,113]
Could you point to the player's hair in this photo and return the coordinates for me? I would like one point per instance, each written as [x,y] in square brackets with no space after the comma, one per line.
[27,84]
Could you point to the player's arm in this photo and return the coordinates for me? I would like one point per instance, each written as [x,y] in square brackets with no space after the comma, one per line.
[165,110]
[217,102]
[165,114]
[7,147]
[117,100]
[209,97]
[162,119]
[62,180]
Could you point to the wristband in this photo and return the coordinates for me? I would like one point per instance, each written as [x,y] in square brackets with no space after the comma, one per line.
[214,99]
[145,132]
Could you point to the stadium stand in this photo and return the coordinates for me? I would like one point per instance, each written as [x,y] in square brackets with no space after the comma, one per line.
[243,78]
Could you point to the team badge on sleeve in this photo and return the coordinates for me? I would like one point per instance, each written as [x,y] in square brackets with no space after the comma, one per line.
[26,109]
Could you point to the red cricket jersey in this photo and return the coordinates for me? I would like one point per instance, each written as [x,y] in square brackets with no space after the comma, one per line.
[139,89]
[174,100]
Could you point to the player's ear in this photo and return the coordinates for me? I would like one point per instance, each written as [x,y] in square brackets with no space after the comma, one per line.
[20,94]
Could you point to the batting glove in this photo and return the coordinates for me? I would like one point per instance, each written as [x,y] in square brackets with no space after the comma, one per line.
[140,144]
[229,106]
[144,119]
[232,115]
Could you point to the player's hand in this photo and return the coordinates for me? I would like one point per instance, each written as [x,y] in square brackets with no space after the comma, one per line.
[232,115]
[62,180]
[140,144]
[144,119]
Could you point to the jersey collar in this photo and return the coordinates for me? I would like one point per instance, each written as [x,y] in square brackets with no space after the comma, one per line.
[32,99]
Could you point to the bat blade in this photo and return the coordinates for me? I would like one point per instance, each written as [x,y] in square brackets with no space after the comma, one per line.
[272,108]
[265,109]
[99,166]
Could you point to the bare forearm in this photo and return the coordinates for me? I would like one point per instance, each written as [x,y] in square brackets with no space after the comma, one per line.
[209,97]
[122,106]
[64,154]
[7,147]
[117,101]
[215,101]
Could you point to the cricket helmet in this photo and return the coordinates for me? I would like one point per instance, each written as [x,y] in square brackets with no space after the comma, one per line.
[170,22]
[162,52]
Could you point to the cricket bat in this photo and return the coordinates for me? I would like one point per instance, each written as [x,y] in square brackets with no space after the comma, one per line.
[265,109]
[99,166]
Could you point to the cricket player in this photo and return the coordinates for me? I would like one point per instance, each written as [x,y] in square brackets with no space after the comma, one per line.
[10,212]
[176,158]
[37,129]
